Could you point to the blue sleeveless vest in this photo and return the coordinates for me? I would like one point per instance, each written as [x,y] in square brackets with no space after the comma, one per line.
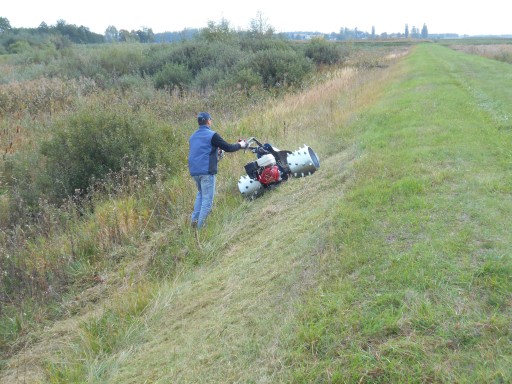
[202,156]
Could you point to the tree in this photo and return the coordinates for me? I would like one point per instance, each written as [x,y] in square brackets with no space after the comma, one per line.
[126,36]
[415,33]
[424,31]
[406,31]
[373,32]
[217,31]
[5,25]
[43,27]
[111,34]
[259,26]
[79,35]
[146,35]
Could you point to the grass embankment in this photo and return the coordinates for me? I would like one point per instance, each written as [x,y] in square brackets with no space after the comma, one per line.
[390,264]
[418,284]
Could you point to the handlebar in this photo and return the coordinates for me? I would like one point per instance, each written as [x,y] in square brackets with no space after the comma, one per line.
[250,141]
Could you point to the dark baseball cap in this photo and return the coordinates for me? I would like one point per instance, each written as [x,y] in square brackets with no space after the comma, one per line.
[203,118]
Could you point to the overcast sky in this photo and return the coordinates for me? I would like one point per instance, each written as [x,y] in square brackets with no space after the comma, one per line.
[440,16]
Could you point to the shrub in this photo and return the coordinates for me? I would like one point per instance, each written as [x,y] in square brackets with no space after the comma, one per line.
[173,75]
[194,55]
[77,63]
[279,67]
[244,79]
[323,52]
[93,143]
[122,60]
[193,62]
[157,56]
[251,44]
[226,57]
[208,78]
[43,54]
[20,171]
[19,46]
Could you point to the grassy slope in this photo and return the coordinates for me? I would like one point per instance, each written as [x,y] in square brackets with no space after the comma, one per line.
[391,264]
[225,322]
[400,274]
[420,288]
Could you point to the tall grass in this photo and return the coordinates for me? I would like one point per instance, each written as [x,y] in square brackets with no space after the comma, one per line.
[42,232]
[494,50]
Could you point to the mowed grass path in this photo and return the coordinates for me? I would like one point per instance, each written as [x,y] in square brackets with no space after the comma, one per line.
[419,288]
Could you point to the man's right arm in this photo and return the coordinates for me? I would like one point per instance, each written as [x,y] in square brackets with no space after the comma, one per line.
[218,141]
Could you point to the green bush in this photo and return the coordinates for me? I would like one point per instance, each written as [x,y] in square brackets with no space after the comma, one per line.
[280,68]
[198,62]
[208,78]
[75,64]
[19,46]
[253,62]
[103,64]
[226,57]
[195,55]
[42,55]
[156,57]
[323,52]
[122,59]
[194,64]
[93,143]
[251,44]
[173,75]
[244,79]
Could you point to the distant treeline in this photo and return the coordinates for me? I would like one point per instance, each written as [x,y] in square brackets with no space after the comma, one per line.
[17,40]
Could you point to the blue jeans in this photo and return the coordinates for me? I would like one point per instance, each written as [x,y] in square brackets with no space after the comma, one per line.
[204,198]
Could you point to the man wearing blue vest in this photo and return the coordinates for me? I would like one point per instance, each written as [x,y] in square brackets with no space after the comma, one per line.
[202,164]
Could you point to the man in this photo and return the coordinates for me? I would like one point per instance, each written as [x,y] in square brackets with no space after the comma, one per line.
[202,163]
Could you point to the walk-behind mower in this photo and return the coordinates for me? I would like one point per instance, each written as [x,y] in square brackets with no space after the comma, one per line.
[273,166]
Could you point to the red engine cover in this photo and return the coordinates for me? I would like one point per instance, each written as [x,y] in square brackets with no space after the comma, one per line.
[269,175]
